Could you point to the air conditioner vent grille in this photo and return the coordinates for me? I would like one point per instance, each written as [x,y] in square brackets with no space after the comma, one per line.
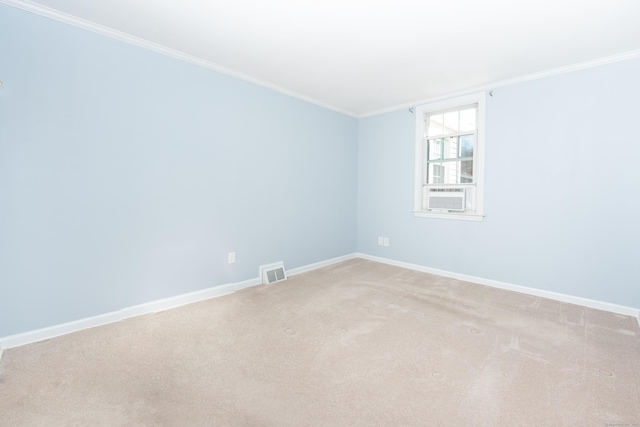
[446,199]
[446,190]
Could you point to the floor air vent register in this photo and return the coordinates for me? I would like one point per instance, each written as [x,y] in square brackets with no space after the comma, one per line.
[273,273]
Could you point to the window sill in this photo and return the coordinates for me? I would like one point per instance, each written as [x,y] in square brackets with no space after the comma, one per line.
[442,215]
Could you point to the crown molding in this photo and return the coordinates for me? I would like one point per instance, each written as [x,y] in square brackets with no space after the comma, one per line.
[161,49]
[634,54]
[176,54]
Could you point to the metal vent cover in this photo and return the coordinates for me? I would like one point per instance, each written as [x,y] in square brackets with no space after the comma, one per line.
[272,273]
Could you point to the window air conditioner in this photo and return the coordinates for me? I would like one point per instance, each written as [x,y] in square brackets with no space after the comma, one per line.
[446,199]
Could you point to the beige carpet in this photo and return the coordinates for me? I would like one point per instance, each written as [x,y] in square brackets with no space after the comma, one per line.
[355,344]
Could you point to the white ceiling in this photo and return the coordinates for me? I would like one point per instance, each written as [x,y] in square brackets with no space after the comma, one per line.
[367,56]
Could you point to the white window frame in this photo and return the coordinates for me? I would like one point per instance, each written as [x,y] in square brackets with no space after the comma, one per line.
[420,210]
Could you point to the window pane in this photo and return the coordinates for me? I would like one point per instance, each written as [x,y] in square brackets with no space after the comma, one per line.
[450,147]
[451,172]
[466,171]
[456,172]
[468,120]
[436,172]
[434,147]
[466,145]
[435,125]
[451,122]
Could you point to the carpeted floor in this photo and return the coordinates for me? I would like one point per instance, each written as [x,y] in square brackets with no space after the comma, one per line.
[355,344]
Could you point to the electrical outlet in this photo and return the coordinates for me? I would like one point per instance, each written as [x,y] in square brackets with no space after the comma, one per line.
[232,257]
[383,241]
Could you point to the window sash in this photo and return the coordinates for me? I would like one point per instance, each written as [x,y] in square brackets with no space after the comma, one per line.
[455,159]
[459,142]
[442,160]
[449,135]
[427,119]
[441,175]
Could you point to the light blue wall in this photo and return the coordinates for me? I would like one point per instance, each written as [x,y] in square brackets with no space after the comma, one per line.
[126,176]
[562,189]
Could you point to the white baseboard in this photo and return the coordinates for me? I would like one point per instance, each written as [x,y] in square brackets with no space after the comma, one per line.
[297,270]
[180,300]
[146,308]
[320,264]
[600,305]
[247,284]
[114,316]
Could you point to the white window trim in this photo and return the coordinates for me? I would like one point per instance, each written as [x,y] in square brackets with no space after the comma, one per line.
[479,98]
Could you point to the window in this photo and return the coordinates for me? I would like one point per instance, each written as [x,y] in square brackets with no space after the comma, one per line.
[450,158]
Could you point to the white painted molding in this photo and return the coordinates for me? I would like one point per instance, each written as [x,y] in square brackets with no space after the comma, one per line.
[58,330]
[158,48]
[164,50]
[177,301]
[297,270]
[320,264]
[115,316]
[634,54]
[247,283]
[180,300]
[147,308]
[585,302]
